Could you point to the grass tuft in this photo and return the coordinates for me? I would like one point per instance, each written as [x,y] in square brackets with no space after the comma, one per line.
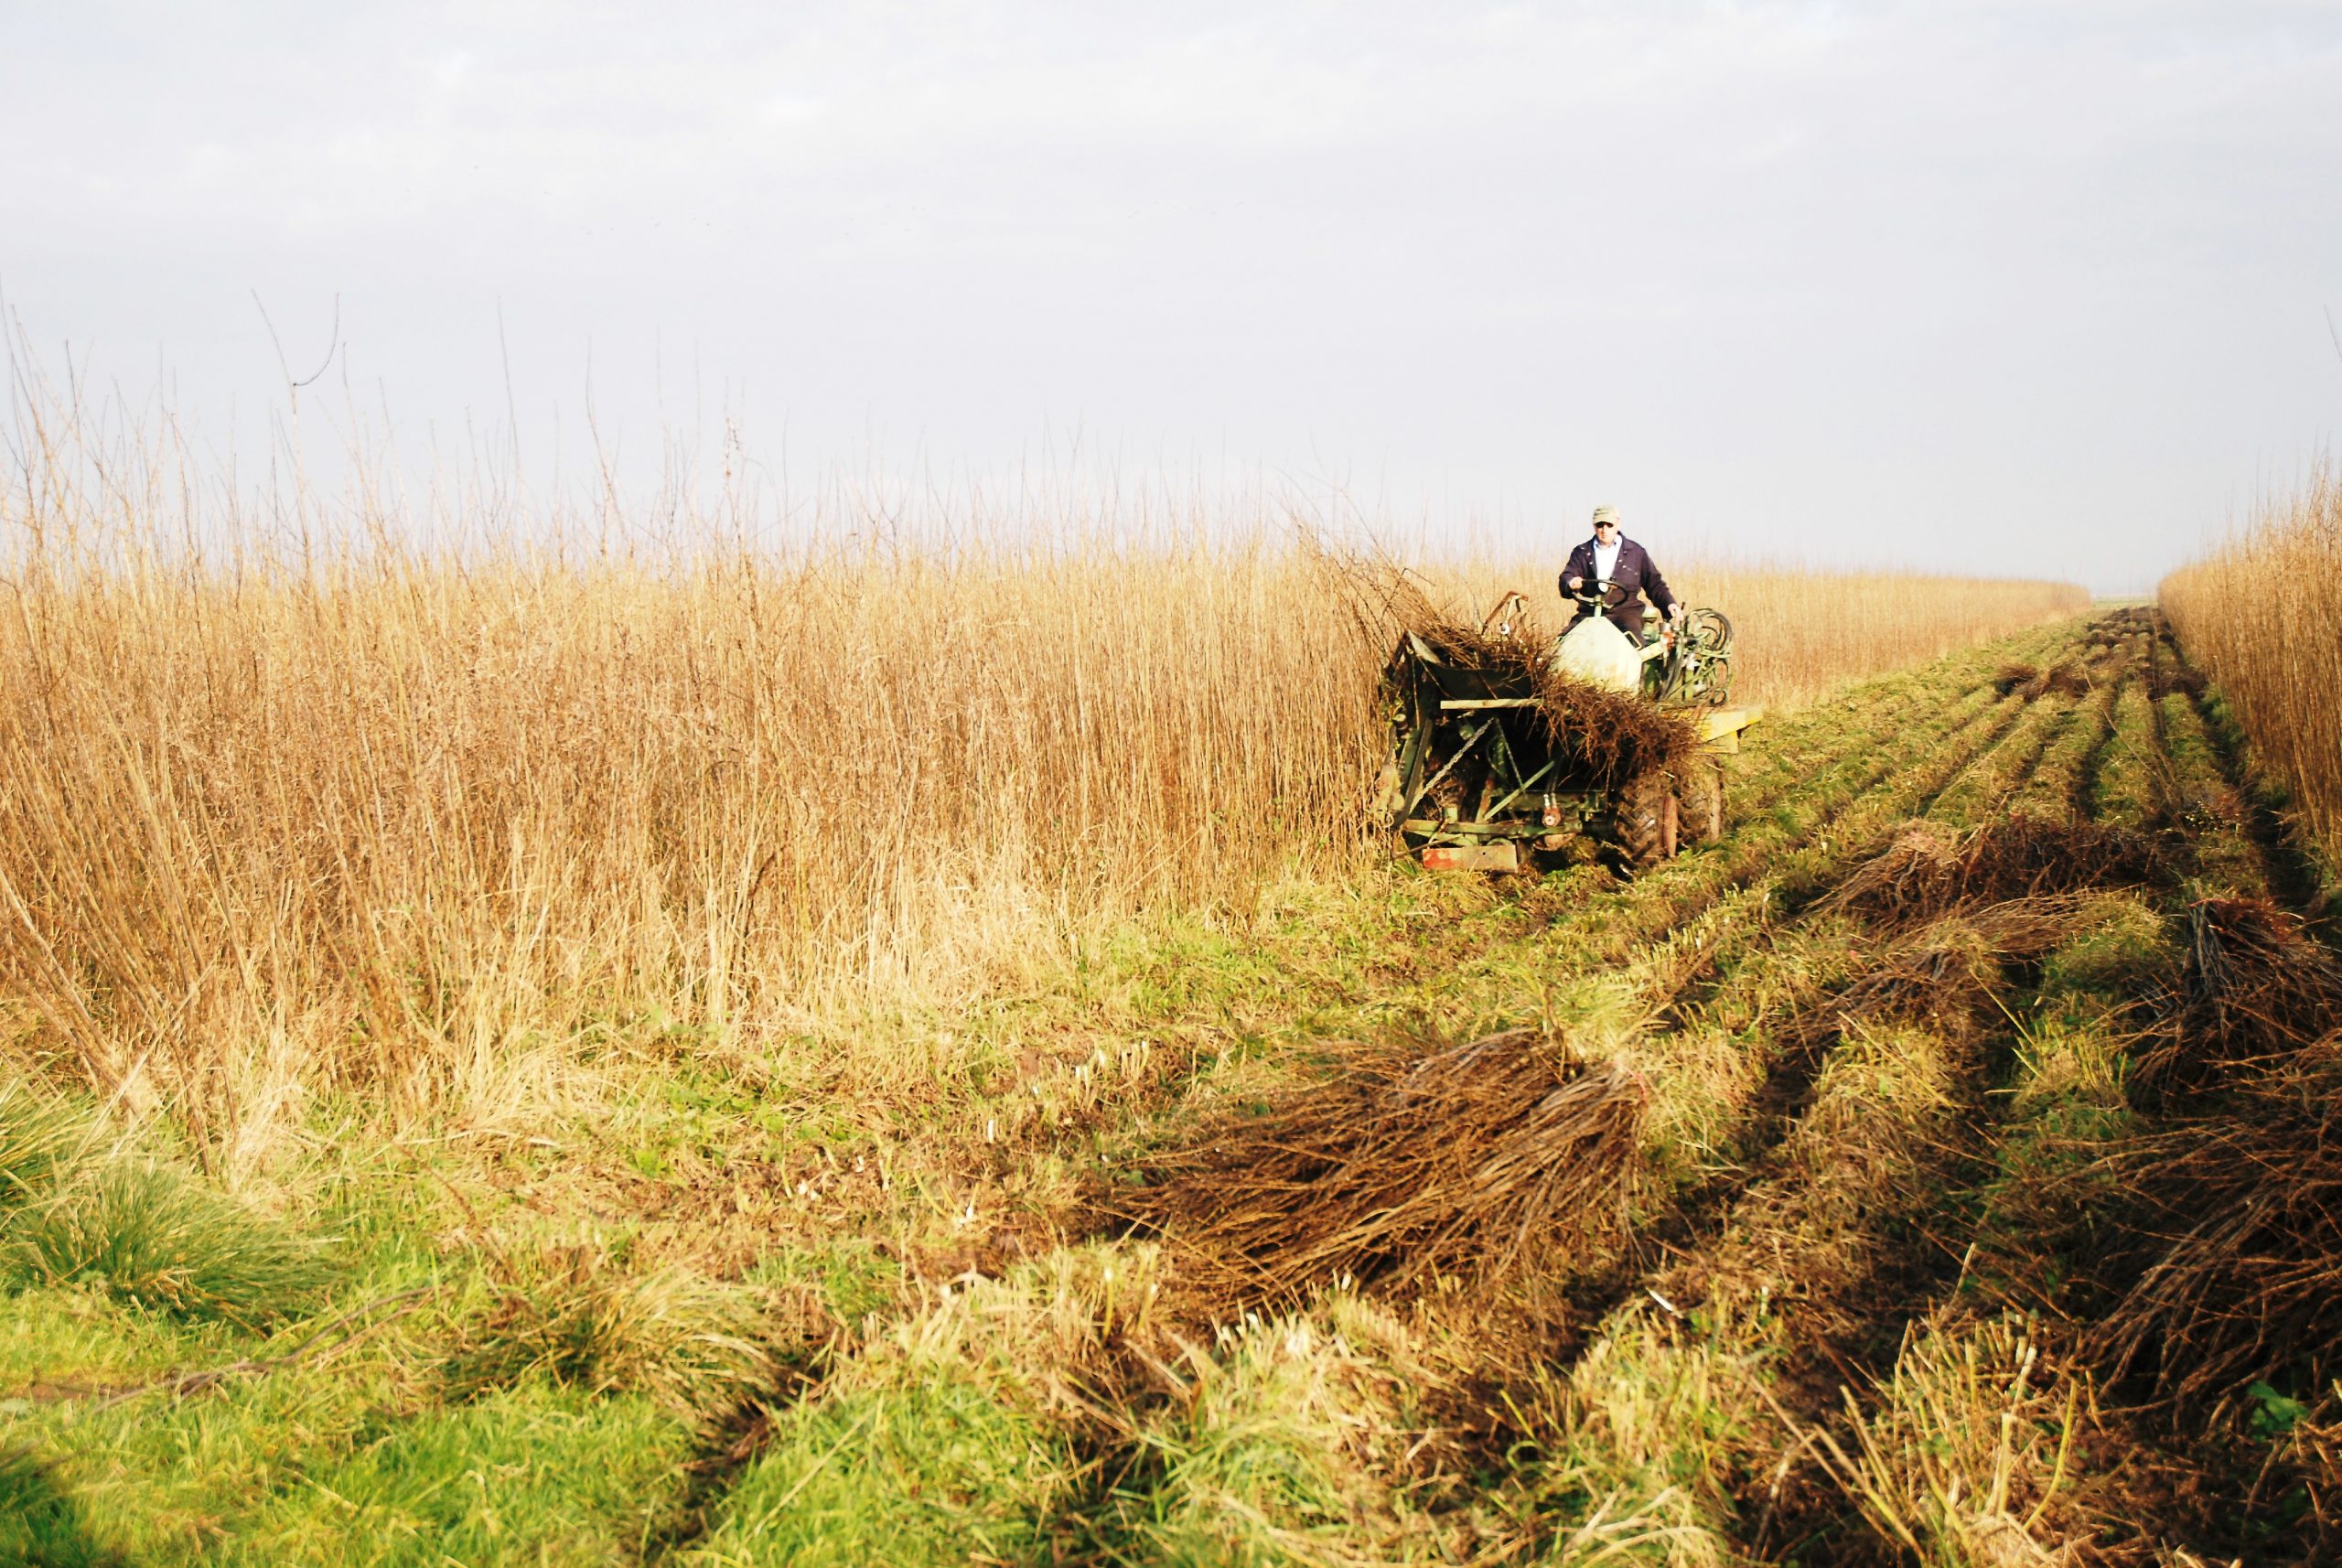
[35,1135]
[1963,1458]
[153,1235]
[1291,1443]
[574,1314]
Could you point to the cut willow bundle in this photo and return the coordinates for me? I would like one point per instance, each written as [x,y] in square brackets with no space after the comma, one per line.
[1412,1170]
[2252,986]
[1927,871]
[1950,968]
[2240,1233]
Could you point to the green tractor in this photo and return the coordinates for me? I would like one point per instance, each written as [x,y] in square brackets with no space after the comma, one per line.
[1486,773]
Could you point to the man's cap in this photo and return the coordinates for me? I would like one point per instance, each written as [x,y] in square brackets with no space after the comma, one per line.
[1609,514]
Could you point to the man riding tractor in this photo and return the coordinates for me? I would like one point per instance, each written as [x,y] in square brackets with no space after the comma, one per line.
[1608,574]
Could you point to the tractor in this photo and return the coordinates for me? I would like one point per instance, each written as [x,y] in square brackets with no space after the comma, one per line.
[1486,772]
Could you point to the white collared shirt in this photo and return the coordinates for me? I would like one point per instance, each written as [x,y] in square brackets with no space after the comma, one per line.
[1606,559]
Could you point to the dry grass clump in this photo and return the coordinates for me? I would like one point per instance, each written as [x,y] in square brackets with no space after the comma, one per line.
[2271,645]
[1299,1438]
[1929,871]
[1603,738]
[1963,1459]
[1480,1162]
[2252,986]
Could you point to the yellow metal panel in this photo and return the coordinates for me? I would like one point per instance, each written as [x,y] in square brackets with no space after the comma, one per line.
[1725,724]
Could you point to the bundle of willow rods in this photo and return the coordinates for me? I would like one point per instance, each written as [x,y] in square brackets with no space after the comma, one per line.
[2253,985]
[1927,871]
[2227,1267]
[1950,967]
[1404,1169]
[2240,1217]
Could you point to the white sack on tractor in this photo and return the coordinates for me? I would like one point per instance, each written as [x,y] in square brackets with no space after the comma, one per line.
[1595,651]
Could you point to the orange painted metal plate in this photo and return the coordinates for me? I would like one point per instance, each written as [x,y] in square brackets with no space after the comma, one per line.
[1499,856]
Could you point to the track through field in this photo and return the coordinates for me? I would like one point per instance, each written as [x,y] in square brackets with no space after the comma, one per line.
[1808,1196]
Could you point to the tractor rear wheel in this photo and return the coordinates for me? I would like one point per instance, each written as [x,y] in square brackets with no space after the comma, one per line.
[1702,795]
[1647,820]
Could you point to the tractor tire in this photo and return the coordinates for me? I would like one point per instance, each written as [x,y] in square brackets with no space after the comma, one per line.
[1700,794]
[1647,820]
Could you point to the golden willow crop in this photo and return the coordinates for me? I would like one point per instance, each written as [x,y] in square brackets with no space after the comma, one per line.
[279,814]
[2263,615]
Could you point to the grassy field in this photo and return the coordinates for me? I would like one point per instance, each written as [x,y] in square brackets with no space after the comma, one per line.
[1938,1214]
[2263,615]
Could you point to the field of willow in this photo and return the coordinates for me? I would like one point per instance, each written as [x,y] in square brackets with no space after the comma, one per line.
[919,1057]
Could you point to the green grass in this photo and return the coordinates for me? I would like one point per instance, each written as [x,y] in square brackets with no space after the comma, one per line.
[533,1474]
[40,1526]
[922,1461]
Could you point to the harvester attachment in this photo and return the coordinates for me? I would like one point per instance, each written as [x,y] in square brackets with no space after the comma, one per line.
[1504,746]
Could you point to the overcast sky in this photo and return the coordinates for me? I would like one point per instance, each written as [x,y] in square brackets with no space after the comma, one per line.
[2037,287]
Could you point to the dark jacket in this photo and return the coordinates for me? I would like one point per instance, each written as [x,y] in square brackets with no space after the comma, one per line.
[1634,576]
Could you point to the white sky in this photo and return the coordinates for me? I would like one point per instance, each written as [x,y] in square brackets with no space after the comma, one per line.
[2035,287]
